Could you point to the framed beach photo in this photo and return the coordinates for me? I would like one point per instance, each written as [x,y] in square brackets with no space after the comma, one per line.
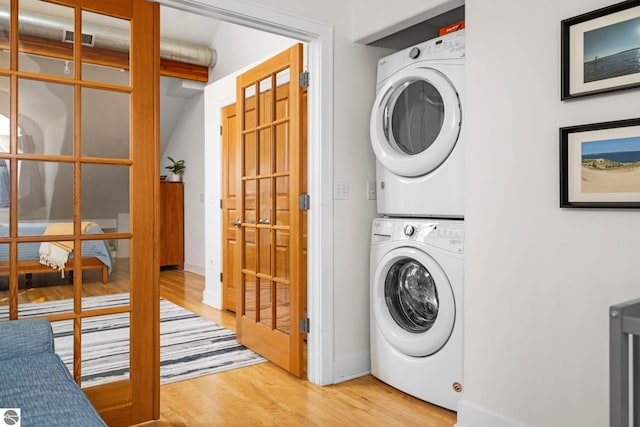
[600,165]
[601,51]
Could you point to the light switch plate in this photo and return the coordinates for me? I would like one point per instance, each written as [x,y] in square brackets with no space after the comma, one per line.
[340,190]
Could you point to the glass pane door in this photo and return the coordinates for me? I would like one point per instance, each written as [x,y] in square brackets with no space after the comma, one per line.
[272,284]
[77,119]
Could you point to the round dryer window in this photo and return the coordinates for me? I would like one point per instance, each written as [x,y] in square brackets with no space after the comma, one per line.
[413,303]
[416,117]
[415,122]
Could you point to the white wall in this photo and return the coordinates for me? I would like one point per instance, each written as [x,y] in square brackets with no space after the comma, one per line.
[539,279]
[218,94]
[187,143]
[239,46]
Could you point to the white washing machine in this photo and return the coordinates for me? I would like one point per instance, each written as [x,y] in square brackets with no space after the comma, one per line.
[416,307]
[417,132]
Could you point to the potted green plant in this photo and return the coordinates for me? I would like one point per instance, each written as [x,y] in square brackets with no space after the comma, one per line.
[177,168]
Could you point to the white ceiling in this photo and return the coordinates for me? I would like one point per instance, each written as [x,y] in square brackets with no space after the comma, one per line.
[187,27]
[184,27]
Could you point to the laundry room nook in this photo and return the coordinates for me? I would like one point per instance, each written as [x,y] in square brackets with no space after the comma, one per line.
[476,135]
[417,237]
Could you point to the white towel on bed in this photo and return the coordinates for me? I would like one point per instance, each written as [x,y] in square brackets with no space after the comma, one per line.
[53,256]
[56,254]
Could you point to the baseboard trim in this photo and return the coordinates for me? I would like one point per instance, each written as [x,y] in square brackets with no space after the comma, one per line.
[472,415]
[212,298]
[198,269]
[353,366]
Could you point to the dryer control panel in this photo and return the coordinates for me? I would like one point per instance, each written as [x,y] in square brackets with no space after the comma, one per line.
[441,50]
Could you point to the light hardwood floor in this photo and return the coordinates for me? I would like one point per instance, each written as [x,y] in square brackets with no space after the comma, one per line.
[259,395]
[265,395]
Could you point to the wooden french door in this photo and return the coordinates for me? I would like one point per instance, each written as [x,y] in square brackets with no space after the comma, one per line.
[230,253]
[270,180]
[80,148]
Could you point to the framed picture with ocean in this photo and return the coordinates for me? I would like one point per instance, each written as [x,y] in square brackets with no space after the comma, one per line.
[600,51]
[600,165]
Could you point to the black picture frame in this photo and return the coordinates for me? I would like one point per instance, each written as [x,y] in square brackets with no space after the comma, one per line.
[598,166]
[595,52]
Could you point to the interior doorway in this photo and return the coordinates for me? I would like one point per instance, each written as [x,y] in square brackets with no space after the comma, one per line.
[320,64]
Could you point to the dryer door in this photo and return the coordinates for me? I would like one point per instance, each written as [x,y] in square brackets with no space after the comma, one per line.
[415,122]
[413,302]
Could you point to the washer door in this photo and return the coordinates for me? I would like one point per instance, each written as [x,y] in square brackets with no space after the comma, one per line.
[415,122]
[413,302]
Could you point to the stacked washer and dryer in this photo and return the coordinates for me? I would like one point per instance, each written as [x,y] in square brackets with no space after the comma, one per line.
[417,240]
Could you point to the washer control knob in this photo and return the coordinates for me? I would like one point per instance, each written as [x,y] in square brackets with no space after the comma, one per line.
[414,53]
[409,230]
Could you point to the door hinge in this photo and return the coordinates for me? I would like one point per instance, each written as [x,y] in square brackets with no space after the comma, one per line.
[304,79]
[221,277]
[305,202]
[220,203]
[220,129]
[305,325]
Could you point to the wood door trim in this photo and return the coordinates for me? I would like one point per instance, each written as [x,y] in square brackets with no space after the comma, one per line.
[145,294]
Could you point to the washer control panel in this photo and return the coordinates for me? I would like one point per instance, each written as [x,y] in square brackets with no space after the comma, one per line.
[409,230]
[444,234]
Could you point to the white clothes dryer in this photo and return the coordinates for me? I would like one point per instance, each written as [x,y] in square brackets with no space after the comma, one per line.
[417,130]
[416,307]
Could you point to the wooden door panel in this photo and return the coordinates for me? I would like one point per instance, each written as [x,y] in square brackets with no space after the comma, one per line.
[249,155]
[265,303]
[270,180]
[273,345]
[264,152]
[230,290]
[250,296]
[265,252]
[251,255]
[283,308]
[229,210]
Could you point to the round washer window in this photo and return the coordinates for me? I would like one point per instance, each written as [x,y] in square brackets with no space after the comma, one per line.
[417,116]
[416,318]
[411,296]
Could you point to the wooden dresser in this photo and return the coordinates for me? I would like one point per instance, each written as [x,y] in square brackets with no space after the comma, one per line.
[172,224]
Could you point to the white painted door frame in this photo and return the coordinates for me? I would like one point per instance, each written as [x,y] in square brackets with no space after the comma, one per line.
[319,37]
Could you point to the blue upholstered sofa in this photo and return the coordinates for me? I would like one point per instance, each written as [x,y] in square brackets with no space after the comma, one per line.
[34,379]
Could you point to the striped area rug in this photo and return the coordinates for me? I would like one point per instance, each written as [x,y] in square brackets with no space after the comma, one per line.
[190,345]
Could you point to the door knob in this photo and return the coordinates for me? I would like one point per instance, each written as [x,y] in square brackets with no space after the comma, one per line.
[237,223]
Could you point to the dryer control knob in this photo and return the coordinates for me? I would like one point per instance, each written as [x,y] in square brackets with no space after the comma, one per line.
[409,230]
[414,53]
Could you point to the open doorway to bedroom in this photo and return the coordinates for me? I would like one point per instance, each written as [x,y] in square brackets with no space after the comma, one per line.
[237,49]
[320,56]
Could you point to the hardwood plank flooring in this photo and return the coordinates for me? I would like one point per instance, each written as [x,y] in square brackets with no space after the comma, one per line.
[266,395]
[259,395]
